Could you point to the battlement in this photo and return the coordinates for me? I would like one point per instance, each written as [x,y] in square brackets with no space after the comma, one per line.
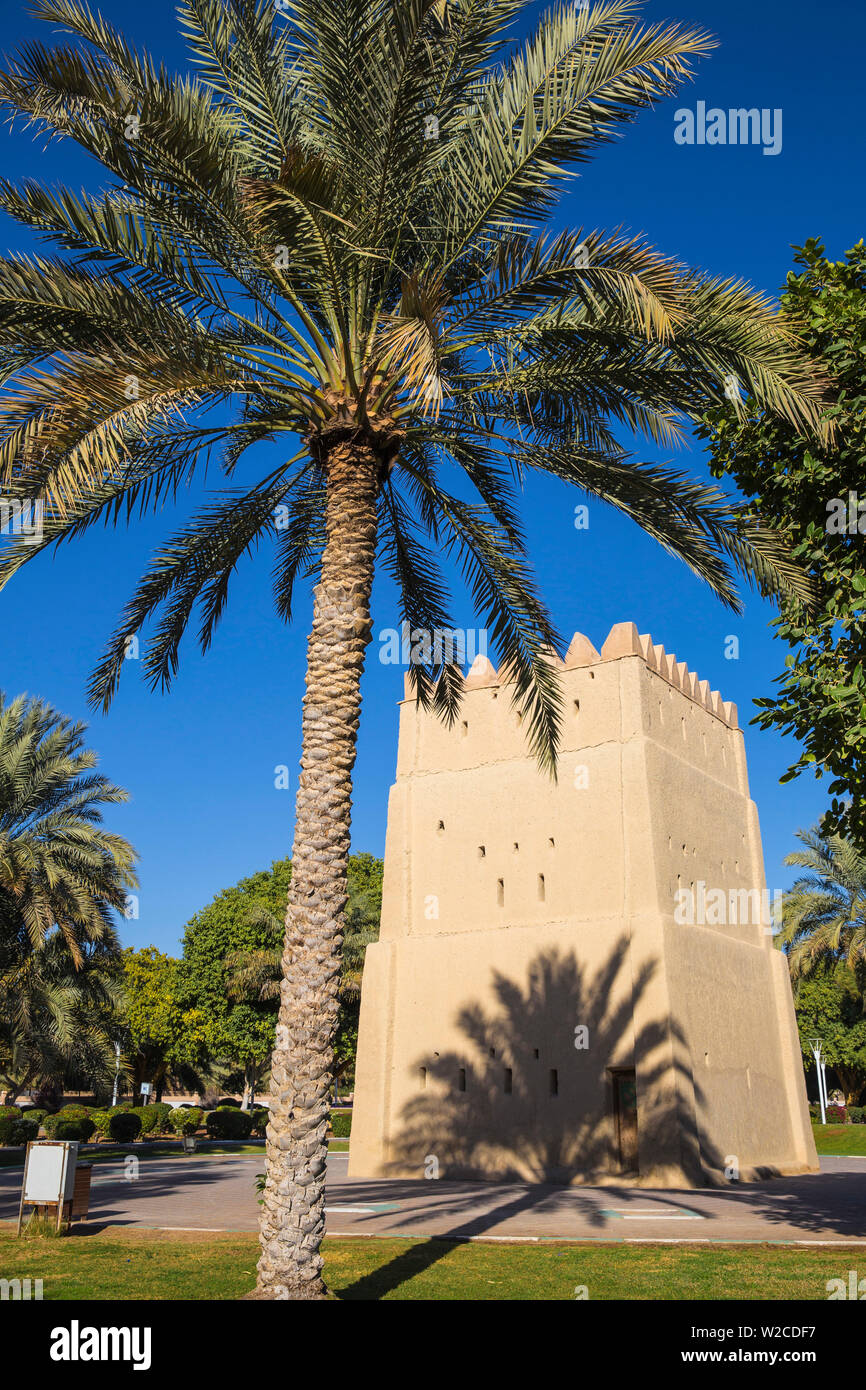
[623,640]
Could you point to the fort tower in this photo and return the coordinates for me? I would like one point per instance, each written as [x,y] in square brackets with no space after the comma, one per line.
[575,981]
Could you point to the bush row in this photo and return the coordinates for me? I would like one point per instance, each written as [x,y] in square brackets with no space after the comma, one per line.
[124,1123]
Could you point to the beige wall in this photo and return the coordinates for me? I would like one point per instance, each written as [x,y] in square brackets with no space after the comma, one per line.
[517,909]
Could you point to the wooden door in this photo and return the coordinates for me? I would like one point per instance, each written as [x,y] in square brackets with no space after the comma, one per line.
[625,1113]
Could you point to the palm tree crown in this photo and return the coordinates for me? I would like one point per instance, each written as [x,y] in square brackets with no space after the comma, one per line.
[335,228]
[59,869]
[824,913]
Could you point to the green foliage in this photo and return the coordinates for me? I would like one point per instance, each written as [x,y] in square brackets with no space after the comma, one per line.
[124,1126]
[857,1114]
[148,1119]
[24,1132]
[824,913]
[260,1122]
[829,1005]
[802,486]
[283,238]
[166,1034]
[36,1114]
[66,1126]
[161,1110]
[341,1123]
[9,1118]
[186,1121]
[252,974]
[229,1124]
[102,1122]
[62,877]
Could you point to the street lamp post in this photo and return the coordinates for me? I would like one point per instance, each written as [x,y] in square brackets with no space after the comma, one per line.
[116,1073]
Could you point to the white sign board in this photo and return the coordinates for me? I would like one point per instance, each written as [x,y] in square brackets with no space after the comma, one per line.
[145,1088]
[49,1174]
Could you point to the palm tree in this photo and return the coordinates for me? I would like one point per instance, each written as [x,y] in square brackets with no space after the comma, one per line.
[56,1017]
[59,869]
[62,876]
[824,914]
[332,239]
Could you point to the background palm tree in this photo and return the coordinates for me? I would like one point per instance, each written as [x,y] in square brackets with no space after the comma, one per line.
[336,229]
[824,913]
[62,876]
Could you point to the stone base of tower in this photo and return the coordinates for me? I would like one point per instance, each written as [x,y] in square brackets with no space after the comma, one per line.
[573,983]
[518,1072]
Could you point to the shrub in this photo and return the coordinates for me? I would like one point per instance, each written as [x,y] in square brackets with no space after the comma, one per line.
[836,1115]
[229,1124]
[260,1121]
[148,1118]
[161,1111]
[38,1116]
[185,1121]
[124,1126]
[228,1102]
[9,1117]
[24,1131]
[341,1123]
[102,1122]
[857,1114]
[64,1126]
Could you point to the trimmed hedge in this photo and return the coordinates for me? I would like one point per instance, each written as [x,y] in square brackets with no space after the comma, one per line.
[102,1122]
[260,1121]
[341,1123]
[161,1110]
[72,1122]
[148,1118]
[857,1114]
[185,1121]
[37,1115]
[14,1128]
[229,1124]
[124,1126]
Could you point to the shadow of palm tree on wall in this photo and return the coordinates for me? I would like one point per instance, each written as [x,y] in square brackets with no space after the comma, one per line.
[514,1128]
[531,1097]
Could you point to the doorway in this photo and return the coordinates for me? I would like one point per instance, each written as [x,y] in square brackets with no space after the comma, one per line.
[625,1118]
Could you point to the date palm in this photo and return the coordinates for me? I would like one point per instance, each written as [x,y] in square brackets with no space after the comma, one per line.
[332,239]
[60,871]
[824,913]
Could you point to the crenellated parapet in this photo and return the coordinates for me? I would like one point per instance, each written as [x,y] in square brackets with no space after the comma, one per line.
[622,641]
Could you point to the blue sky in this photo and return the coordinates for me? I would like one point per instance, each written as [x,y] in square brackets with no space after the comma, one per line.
[199,762]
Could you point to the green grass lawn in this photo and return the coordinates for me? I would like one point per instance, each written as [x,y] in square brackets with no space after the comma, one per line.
[115,1265]
[840,1139]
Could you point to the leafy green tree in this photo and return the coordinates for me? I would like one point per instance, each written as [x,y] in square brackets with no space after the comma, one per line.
[337,229]
[237,1031]
[815,493]
[165,1039]
[256,975]
[824,914]
[830,1006]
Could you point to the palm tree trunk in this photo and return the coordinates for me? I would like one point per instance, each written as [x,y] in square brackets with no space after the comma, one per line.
[293,1215]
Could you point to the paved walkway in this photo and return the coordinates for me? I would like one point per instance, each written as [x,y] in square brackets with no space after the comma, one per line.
[218,1194]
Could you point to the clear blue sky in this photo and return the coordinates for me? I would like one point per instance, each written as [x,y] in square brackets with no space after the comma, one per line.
[199,762]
